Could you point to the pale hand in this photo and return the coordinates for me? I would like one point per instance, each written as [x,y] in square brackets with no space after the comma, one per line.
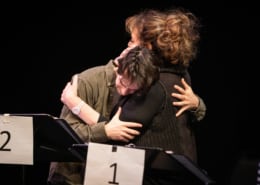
[69,94]
[121,130]
[188,100]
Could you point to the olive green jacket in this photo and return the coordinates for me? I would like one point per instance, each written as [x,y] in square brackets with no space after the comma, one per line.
[96,87]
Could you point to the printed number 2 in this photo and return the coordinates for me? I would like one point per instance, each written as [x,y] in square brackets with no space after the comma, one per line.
[2,148]
[114,176]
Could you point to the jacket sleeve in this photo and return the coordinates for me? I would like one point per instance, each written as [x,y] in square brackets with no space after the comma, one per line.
[200,112]
[88,91]
[95,133]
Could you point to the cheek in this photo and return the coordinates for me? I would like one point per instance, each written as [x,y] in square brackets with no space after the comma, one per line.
[133,44]
[121,90]
[118,86]
[124,92]
[117,83]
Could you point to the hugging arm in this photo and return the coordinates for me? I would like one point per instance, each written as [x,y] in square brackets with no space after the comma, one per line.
[70,98]
[115,129]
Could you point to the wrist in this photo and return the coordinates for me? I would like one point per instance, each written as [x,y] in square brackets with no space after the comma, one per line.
[196,106]
[76,109]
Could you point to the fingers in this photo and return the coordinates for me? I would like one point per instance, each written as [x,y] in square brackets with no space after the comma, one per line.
[130,128]
[176,95]
[64,91]
[118,112]
[75,82]
[123,134]
[74,79]
[184,83]
[128,134]
[124,139]
[132,132]
[66,87]
[179,112]
[121,130]
[178,104]
[187,87]
[179,89]
[132,124]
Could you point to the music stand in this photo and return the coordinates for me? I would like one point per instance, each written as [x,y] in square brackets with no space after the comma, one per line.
[160,165]
[53,138]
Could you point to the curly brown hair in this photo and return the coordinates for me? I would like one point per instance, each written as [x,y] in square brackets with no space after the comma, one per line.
[173,34]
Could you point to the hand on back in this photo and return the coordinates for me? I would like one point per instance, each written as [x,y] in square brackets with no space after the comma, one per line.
[121,130]
[188,100]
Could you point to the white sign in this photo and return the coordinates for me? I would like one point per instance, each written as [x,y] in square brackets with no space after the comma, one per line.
[16,140]
[108,164]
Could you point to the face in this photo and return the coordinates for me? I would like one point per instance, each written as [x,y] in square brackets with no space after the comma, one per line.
[124,86]
[135,41]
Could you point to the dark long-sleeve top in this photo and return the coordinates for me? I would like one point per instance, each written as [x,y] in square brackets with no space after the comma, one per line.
[154,110]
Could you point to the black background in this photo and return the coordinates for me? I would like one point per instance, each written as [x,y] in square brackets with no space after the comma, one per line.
[45,43]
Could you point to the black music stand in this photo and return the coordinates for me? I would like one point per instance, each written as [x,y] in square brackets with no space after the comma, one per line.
[179,168]
[53,139]
[161,165]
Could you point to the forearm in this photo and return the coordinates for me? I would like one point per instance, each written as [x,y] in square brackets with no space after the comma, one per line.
[95,133]
[87,113]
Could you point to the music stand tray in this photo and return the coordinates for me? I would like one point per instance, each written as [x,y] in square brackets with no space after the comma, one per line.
[53,138]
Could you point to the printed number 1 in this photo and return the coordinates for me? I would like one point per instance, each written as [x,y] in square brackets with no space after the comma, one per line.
[114,176]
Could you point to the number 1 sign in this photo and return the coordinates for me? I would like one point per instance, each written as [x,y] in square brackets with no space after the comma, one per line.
[114,165]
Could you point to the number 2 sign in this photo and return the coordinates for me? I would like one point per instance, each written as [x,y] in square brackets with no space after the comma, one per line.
[16,140]
[114,165]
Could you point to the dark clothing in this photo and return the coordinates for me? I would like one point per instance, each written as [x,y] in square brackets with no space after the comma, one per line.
[161,128]
[185,122]
[154,111]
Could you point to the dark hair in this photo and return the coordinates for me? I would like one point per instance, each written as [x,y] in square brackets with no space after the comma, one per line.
[138,66]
